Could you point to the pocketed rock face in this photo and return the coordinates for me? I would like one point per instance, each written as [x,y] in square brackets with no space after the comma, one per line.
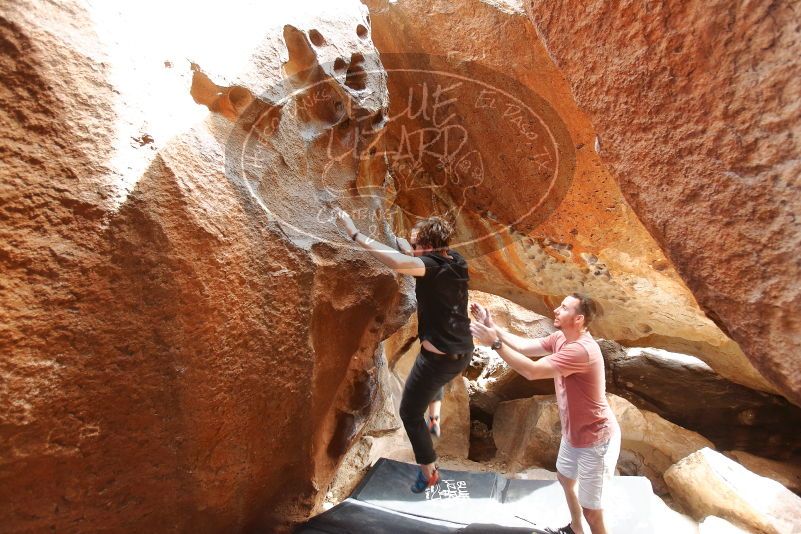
[173,357]
[695,104]
[580,234]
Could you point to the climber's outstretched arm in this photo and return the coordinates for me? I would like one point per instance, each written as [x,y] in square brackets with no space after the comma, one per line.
[394,259]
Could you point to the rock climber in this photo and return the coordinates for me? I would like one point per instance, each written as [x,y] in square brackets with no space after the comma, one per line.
[446,345]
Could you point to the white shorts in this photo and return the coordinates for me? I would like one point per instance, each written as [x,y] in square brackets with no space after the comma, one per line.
[592,466]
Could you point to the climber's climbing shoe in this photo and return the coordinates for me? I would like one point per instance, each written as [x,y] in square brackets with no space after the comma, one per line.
[422,482]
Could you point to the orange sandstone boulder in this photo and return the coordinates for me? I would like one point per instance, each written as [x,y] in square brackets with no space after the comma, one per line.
[484,130]
[176,355]
[695,107]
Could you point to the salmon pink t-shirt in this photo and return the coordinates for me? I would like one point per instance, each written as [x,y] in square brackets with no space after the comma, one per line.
[584,412]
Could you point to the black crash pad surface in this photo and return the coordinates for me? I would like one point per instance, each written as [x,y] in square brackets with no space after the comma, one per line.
[471,502]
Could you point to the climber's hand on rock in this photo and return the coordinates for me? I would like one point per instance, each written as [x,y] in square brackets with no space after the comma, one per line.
[404,246]
[344,220]
[485,335]
[482,315]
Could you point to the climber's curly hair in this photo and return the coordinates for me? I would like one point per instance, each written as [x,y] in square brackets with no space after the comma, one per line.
[434,232]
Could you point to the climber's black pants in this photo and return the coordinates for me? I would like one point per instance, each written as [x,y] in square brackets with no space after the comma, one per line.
[428,376]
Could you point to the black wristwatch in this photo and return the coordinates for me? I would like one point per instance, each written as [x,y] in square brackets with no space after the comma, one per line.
[496,344]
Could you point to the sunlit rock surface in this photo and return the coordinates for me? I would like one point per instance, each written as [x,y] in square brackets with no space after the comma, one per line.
[708,483]
[175,355]
[786,474]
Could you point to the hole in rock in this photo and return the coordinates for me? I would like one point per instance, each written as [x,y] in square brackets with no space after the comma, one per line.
[378,119]
[316,38]
[356,77]
[343,433]
[340,64]
[235,103]
[302,57]
[363,393]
